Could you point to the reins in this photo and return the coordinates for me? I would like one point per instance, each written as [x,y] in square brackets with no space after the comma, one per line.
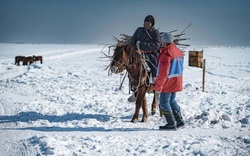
[143,65]
[143,60]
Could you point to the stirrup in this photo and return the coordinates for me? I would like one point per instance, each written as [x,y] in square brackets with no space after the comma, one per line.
[132,98]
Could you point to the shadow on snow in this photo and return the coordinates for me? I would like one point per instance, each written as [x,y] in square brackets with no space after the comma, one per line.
[34,116]
[80,129]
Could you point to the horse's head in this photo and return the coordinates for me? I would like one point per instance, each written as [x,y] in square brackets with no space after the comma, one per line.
[120,58]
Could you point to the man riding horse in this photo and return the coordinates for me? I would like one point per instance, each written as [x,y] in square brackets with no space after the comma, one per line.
[149,43]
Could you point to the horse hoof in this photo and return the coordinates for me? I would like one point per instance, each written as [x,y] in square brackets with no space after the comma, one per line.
[144,120]
[134,120]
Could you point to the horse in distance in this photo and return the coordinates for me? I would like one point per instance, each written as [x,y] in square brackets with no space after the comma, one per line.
[19,59]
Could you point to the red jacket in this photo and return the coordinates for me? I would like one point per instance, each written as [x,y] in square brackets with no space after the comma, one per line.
[169,70]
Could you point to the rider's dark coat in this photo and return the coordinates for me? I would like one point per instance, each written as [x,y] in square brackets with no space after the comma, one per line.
[150,43]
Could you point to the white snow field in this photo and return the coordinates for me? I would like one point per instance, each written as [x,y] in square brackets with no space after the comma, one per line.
[70,106]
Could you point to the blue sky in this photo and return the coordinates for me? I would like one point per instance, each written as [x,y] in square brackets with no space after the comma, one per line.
[214,22]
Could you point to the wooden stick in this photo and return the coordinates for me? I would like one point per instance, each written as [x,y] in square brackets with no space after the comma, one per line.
[123,80]
[203,77]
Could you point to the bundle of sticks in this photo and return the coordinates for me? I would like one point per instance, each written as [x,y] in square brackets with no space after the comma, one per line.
[178,38]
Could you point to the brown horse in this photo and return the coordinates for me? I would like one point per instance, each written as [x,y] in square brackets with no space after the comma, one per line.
[19,59]
[125,58]
[28,60]
[38,58]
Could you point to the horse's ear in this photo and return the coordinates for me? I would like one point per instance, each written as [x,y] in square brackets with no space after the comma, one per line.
[128,48]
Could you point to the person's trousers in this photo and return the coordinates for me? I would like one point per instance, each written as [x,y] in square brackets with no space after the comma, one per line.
[168,102]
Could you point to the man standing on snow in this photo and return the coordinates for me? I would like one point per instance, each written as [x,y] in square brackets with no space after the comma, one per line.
[149,39]
[169,81]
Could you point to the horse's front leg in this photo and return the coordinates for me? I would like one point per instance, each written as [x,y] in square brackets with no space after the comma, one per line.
[144,109]
[139,102]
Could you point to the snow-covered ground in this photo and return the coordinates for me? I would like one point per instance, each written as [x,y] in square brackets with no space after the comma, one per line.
[70,106]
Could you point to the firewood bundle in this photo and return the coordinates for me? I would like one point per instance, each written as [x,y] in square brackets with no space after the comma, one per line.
[178,38]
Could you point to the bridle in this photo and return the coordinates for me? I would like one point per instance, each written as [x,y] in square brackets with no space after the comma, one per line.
[127,65]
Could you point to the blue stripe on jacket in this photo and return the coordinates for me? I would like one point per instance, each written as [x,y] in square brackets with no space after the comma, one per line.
[176,68]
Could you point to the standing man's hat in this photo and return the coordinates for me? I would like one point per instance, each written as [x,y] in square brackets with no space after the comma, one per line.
[167,38]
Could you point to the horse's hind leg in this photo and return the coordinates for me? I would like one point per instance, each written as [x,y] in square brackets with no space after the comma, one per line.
[153,106]
[161,113]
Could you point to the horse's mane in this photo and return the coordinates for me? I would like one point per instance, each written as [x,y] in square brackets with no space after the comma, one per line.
[135,57]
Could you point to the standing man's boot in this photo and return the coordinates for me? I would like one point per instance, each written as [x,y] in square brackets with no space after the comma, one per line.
[179,119]
[171,123]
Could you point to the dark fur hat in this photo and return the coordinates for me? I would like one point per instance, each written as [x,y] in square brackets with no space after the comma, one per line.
[151,19]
